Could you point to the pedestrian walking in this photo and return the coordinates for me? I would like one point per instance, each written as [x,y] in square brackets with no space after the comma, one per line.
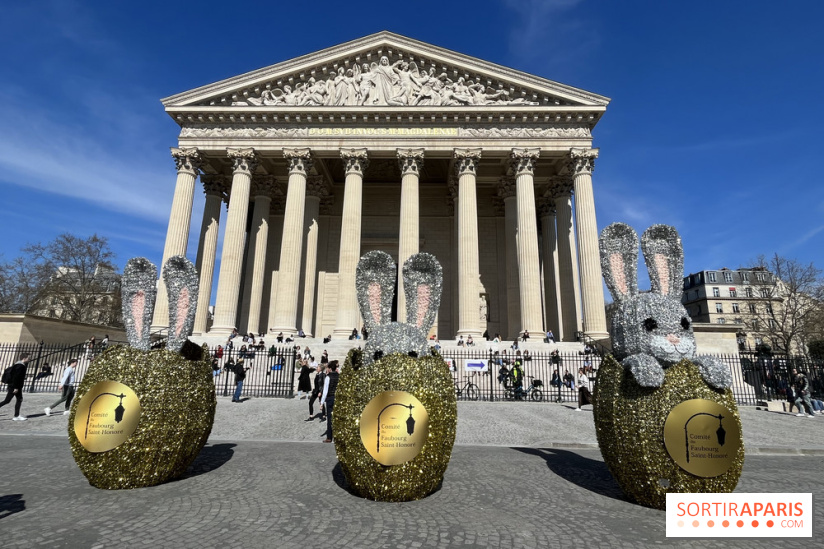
[320,378]
[16,380]
[67,386]
[327,400]
[240,375]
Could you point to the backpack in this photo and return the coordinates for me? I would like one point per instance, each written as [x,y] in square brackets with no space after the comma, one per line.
[6,376]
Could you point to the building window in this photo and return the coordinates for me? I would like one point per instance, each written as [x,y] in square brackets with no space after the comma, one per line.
[769,308]
[745,276]
[739,320]
[759,277]
[716,292]
[727,276]
[753,310]
[711,277]
[748,291]
[755,324]
[758,341]
[772,324]
[719,308]
[765,292]
[735,308]
[733,293]
[722,320]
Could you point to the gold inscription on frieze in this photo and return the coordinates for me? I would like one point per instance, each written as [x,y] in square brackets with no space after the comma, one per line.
[394,427]
[433,132]
[106,416]
[702,437]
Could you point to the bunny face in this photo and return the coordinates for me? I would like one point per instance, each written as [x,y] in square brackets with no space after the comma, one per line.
[422,276]
[655,325]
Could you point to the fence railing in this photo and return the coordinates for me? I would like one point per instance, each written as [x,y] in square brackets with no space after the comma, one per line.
[477,374]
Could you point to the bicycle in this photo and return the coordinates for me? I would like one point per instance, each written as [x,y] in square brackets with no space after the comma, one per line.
[533,391]
[471,390]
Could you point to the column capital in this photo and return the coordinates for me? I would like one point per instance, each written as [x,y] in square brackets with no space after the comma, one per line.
[546,207]
[559,185]
[300,160]
[581,160]
[243,160]
[316,186]
[356,160]
[466,160]
[265,186]
[522,161]
[187,159]
[506,187]
[215,184]
[410,160]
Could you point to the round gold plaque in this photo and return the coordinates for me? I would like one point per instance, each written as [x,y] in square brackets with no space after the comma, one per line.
[394,427]
[106,416]
[702,437]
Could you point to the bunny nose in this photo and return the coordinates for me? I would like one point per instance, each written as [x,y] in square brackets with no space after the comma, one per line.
[674,339]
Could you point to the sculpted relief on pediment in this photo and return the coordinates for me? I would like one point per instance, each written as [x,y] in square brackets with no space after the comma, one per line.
[385,83]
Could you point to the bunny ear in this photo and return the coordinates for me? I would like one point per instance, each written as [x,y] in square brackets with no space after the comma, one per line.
[182,283]
[375,281]
[619,260]
[664,257]
[422,282]
[138,289]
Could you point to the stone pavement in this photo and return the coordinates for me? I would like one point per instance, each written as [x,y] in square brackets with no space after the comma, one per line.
[522,475]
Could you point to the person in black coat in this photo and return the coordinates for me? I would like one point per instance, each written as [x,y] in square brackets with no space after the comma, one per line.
[316,392]
[304,385]
[16,381]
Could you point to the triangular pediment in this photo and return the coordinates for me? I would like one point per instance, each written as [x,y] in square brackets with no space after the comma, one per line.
[384,70]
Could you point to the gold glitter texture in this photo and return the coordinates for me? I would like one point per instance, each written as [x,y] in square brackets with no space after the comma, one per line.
[629,424]
[429,380]
[178,401]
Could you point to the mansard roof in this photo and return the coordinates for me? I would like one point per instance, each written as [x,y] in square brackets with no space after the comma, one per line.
[355,75]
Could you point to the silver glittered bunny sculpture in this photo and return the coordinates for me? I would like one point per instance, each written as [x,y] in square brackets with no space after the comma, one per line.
[375,281]
[652,330]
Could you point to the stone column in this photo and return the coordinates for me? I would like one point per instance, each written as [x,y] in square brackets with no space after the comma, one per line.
[215,188]
[546,210]
[263,188]
[188,162]
[276,211]
[316,188]
[286,299]
[356,162]
[411,161]
[507,191]
[581,164]
[522,165]
[466,163]
[231,261]
[567,264]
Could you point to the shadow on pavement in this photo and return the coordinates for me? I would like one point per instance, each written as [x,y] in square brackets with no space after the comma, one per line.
[340,480]
[11,504]
[212,457]
[590,474]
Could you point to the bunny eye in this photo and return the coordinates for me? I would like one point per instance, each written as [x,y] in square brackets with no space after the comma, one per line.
[413,354]
[685,323]
[650,324]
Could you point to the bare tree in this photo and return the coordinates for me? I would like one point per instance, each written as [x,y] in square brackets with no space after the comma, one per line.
[789,302]
[72,276]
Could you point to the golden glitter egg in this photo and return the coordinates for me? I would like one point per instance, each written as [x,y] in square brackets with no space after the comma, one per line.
[171,399]
[630,425]
[404,407]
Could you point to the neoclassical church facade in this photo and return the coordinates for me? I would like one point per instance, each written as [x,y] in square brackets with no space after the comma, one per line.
[388,143]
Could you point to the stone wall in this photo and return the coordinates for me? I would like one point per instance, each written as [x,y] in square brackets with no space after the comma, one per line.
[33,329]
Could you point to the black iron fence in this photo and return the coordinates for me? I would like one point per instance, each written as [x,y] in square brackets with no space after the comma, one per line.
[477,374]
[270,374]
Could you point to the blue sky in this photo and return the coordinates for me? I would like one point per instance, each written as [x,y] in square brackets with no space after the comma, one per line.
[714,126]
